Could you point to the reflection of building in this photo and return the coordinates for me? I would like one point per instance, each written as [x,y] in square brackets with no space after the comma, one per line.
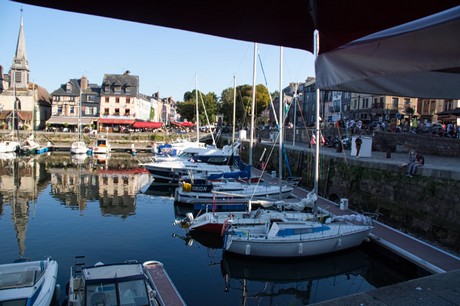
[19,189]
[118,189]
[115,189]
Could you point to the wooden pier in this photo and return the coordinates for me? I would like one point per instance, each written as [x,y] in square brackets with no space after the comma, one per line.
[422,254]
[168,293]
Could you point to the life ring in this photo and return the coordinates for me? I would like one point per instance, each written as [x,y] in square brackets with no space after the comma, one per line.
[231,216]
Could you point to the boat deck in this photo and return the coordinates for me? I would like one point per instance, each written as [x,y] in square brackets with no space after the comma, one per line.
[427,256]
[163,284]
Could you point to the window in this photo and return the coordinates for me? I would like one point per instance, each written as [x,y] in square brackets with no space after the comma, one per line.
[117,88]
[59,110]
[106,111]
[90,98]
[127,111]
[128,88]
[117,111]
[72,110]
[395,103]
[106,88]
[128,100]
[117,100]
[107,99]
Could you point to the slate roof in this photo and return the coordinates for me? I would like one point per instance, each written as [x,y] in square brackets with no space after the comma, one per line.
[124,80]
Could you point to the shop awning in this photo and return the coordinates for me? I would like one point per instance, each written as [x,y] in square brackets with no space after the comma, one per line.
[147,125]
[184,124]
[70,120]
[115,121]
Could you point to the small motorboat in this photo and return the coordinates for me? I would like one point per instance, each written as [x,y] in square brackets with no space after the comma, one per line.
[30,283]
[128,283]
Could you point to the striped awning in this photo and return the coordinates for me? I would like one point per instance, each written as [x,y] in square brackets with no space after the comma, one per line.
[116,121]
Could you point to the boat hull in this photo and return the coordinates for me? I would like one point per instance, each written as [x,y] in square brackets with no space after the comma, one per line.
[294,246]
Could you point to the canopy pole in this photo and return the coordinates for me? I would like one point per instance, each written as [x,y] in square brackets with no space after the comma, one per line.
[281,126]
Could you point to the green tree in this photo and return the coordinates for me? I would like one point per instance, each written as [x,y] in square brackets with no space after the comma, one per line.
[207,104]
[243,103]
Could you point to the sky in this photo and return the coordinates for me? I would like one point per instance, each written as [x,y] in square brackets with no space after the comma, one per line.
[62,45]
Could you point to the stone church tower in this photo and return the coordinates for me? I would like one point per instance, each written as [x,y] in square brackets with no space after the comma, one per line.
[20,71]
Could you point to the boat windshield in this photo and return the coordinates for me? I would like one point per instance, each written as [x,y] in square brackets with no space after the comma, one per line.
[130,292]
[20,279]
[17,302]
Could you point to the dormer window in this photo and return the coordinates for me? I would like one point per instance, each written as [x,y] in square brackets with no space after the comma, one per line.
[127,89]
[117,88]
[106,87]
[68,87]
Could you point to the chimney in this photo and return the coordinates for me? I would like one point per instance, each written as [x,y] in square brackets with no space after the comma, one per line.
[83,83]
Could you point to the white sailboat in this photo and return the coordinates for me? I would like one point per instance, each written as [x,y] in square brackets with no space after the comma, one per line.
[79,146]
[290,239]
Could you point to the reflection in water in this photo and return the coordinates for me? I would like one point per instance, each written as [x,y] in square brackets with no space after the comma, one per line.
[74,181]
[268,281]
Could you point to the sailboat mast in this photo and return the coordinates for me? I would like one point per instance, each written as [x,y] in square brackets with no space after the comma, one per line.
[281,126]
[251,128]
[234,111]
[197,121]
[318,140]
[79,114]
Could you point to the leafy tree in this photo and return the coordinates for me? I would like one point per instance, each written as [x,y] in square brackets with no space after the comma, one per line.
[243,103]
[207,104]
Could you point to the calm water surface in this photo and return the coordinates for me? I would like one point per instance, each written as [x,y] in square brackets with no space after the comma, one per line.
[53,206]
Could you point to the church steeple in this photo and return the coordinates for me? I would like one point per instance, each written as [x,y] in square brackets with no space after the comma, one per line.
[19,72]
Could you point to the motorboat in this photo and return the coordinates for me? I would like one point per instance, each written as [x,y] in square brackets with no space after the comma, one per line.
[102,146]
[29,283]
[205,154]
[9,146]
[290,239]
[217,221]
[31,146]
[205,161]
[128,283]
[79,147]
[230,190]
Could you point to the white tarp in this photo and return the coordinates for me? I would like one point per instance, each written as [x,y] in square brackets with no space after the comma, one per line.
[417,59]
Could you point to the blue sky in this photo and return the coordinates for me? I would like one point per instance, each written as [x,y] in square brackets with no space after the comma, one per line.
[62,45]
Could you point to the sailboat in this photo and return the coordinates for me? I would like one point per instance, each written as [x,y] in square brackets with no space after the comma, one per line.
[293,238]
[79,146]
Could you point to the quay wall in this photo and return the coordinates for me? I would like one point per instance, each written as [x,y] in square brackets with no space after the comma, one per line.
[383,141]
[426,206]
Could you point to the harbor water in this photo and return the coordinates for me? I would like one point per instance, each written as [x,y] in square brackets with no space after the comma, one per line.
[109,211]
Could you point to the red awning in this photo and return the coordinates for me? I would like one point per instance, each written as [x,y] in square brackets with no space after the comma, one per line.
[184,124]
[115,121]
[147,125]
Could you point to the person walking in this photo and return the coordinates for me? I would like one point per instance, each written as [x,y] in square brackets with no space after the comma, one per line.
[419,162]
[358,143]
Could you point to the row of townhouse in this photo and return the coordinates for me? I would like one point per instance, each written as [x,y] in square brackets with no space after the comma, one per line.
[337,105]
[115,105]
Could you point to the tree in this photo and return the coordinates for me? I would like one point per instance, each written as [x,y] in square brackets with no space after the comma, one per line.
[207,104]
[243,103]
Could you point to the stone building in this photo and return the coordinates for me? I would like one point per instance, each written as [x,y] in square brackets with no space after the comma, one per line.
[23,104]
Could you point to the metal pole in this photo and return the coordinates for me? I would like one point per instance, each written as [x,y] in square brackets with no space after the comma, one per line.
[316,44]
[281,126]
[234,111]
[251,129]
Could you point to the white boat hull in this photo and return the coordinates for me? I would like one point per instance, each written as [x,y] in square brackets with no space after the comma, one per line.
[78,147]
[339,237]
[9,146]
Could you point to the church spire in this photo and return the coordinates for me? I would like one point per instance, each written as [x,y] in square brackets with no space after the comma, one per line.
[20,66]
